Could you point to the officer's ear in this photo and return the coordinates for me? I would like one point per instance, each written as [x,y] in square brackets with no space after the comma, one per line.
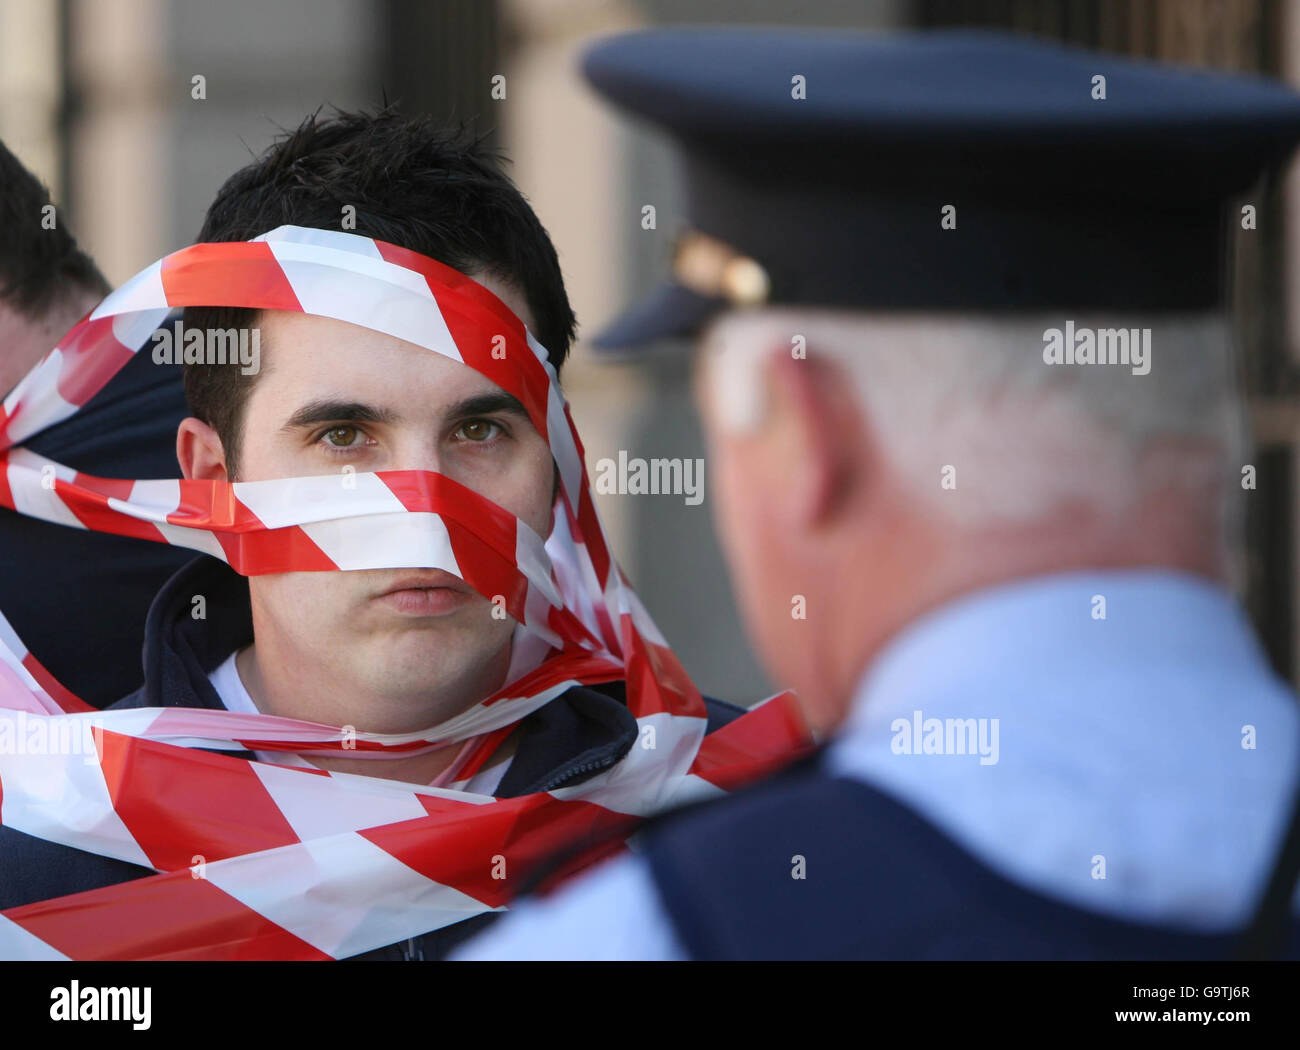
[814,405]
[199,451]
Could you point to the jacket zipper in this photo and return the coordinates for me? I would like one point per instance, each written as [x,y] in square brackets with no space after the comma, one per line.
[570,774]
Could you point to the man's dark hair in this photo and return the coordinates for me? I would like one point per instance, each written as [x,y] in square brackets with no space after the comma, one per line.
[414,183]
[39,266]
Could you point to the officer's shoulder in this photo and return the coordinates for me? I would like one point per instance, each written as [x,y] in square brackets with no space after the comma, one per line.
[837,868]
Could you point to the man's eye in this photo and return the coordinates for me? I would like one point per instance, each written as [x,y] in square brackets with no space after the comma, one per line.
[478,430]
[343,436]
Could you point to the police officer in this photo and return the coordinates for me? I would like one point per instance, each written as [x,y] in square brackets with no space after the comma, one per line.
[966,380]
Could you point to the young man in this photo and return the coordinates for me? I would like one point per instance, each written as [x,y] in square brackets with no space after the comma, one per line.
[78,598]
[385,651]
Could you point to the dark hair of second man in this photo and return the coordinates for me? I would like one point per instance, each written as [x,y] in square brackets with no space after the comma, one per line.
[39,260]
[412,182]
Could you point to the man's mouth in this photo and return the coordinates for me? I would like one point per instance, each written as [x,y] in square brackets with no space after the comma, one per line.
[427,594]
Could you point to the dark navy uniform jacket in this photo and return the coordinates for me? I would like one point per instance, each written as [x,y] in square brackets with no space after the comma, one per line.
[577,735]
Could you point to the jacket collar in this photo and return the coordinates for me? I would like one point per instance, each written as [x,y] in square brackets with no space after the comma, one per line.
[202,615]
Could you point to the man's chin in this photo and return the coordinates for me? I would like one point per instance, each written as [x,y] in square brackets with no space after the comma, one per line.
[423,658]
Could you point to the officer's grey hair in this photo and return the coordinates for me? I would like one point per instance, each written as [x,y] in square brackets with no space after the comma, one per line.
[974,393]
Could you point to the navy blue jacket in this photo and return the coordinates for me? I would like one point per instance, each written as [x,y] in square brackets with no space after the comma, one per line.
[78,598]
[571,739]
[880,882]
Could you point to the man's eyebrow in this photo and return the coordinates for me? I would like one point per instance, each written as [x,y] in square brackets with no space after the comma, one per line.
[328,411]
[336,411]
[486,405]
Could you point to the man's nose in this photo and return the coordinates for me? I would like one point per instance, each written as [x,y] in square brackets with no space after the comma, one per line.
[420,453]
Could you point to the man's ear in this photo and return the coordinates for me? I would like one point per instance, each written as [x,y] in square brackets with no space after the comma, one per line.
[199,451]
[825,422]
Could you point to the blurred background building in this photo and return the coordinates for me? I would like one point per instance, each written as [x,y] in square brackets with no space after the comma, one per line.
[100,98]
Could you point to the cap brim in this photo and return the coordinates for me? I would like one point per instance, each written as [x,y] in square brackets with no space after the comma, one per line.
[670,312]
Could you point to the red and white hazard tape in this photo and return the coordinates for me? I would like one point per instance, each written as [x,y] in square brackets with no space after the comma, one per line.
[265,861]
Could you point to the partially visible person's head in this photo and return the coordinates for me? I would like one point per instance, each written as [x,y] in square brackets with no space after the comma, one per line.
[47,284]
[908,459]
[331,397]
